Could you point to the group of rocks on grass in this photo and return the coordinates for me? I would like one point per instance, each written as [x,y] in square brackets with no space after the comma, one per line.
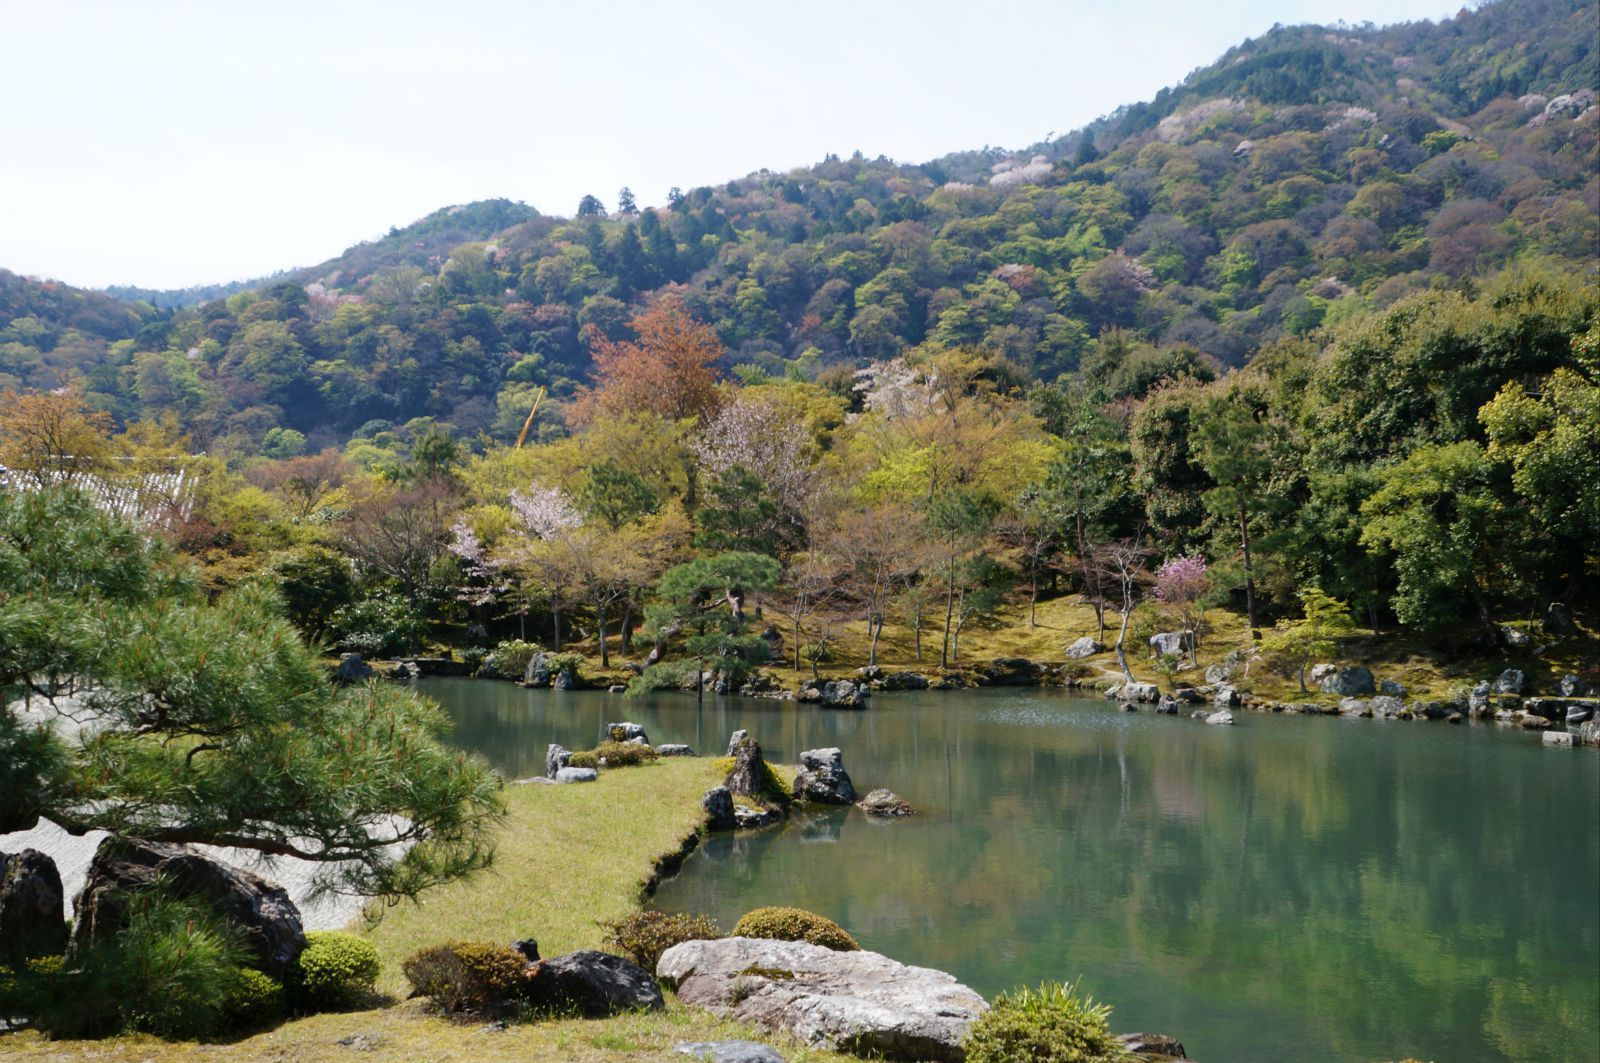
[168,941]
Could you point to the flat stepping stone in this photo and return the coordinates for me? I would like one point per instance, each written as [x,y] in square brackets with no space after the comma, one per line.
[728,1051]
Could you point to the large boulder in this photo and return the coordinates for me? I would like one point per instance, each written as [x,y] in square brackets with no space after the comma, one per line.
[626,732]
[571,775]
[353,669]
[1478,704]
[591,983]
[1223,717]
[1570,686]
[748,777]
[857,1002]
[843,694]
[718,803]
[555,758]
[537,674]
[1588,733]
[31,906]
[1011,672]
[1511,681]
[886,804]
[1387,707]
[1171,643]
[1352,682]
[675,749]
[822,778]
[263,911]
[1084,647]
[734,740]
[905,681]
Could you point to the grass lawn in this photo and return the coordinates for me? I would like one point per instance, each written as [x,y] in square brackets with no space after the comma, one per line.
[568,856]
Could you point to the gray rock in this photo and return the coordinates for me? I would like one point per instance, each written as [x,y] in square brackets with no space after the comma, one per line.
[1561,739]
[1218,673]
[538,671]
[1588,733]
[1352,682]
[1226,697]
[675,749]
[353,669]
[1171,643]
[31,903]
[1084,647]
[734,740]
[822,778]
[262,911]
[718,803]
[1321,671]
[1354,707]
[1570,686]
[1392,688]
[1168,706]
[1385,707]
[843,694]
[747,818]
[1189,696]
[728,1051]
[1577,714]
[1145,1045]
[1011,672]
[905,681]
[566,679]
[1147,692]
[592,984]
[856,1002]
[1511,681]
[1478,701]
[1222,717]
[625,732]
[566,775]
[528,947]
[617,688]
[555,758]
[886,803]
[1558,619]
[1128,706]
[748,778]
[1516,637]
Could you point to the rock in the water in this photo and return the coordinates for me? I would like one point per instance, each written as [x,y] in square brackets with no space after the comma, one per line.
[1223,717]
[269,920]
[675,749]
[1478,701]
[1171,643]
[1576,714]
[31,903]
[625,732]
[1588,733]
[1385,707]
[905,681]
[538,671]
[857,1002]
[1511,681]
[617,688]
[734,740]
[882,802]
[555,758]
[843,694]
[1226,697]
[747,818]
[1354,707]
[353,669]
[718,803]
[1168,705]
[591,983]
[1152,1044]
[1084,647]
[566,679]
[1352,682]
[566,775]
[1135,692]
[1563,739]
[1128,706]
[1011,672]
[1189,696]
[728,1051]
[822,778]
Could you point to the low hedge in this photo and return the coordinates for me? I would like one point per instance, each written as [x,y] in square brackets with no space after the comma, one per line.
[795,924]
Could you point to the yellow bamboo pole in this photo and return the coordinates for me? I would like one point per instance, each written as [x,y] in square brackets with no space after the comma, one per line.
[523,435]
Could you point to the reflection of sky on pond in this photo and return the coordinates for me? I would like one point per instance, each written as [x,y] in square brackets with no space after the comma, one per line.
[1287,888]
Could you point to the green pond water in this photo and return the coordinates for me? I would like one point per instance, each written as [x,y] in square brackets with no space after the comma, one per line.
[1289,888]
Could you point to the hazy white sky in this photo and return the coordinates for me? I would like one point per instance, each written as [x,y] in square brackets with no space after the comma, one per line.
[169,143]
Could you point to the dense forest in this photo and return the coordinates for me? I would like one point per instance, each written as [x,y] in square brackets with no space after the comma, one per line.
[1321,317]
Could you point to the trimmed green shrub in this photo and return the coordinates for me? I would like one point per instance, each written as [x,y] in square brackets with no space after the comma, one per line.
[1051,1025]
[509,659]
[336,970]
[795,924]
[251,999]
[615,755]
[646,935]
[466,975]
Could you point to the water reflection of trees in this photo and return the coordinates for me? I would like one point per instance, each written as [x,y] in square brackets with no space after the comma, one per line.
[1305,887]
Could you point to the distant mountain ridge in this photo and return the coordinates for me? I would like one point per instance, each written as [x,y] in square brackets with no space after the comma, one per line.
[1309,175]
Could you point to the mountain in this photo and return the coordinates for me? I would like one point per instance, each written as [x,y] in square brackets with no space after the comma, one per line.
[1308,176]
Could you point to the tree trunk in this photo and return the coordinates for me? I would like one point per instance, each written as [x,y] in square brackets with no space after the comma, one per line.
[1249,574]
[917,628]
[600,616]
[949,611]
[873,630]
[1303,689]
[555,619]
[624,636]
[1122,637]
[735,598]
[1033,599]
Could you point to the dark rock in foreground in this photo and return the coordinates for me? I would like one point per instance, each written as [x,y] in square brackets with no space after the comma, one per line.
[857,1002]
[718,803]
[822,778]
[269,919]
[592,983]
[31,906]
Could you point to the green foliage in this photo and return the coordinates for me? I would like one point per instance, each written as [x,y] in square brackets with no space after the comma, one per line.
[252,999]
[614,755]
[509,659]
[794,924]
[1050,1024]
[646,935]
[315,584]
[379,625]
[336,970]
[462,976]
[1326,620]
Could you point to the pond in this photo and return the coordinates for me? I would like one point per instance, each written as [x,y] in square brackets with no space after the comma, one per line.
[1291,887]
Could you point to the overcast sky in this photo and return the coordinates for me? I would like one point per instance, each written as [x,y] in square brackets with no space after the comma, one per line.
[166,144]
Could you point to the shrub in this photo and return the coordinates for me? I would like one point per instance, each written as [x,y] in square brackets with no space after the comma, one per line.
[795,924]
[336,970]
[565,662]
[251,999]
[1051,1024]
[380,624]
[646,935]
[615,755]
[509,659]
[466,975]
